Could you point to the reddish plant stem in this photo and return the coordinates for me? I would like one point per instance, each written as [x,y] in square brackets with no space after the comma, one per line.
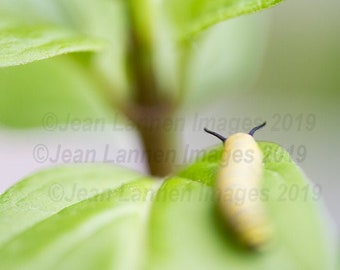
[149,109]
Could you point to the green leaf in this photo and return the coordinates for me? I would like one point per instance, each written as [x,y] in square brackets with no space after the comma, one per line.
[191,16]
[226,59]
[148,224]
[105,20]
[80,26]
[186,62]
[21,44]
[49,93]
[44,194]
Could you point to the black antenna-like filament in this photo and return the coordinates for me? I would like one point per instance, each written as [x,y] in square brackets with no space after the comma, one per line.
[215,134]
[256,128]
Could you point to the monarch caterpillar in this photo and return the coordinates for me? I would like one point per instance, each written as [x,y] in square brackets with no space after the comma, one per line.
[241,169]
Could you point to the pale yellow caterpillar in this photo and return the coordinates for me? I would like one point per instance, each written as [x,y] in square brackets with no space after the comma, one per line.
[241,172]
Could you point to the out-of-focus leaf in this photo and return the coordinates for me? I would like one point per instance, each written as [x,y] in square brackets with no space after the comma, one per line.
[103,21]
[49,93]
[227,58]
[191,16]
[106,20]
[224,59]
[22,44]
[145,224]
[47,192]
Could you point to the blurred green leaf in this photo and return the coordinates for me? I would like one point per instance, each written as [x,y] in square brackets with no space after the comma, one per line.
[191,16]
[99,25]
[112,220]
[47,192]
[224,59]
[55,90]
[22,44]
[146,224]
[106,20]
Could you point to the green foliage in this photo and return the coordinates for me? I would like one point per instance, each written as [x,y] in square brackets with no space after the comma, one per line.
[22,44]
[46,193]
[36,30]
[191,16]
[57,88]
[103,217]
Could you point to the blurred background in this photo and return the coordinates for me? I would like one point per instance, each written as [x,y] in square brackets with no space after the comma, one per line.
[280,65]
[298,78]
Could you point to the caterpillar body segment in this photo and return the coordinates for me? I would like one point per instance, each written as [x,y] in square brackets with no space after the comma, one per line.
[238,188]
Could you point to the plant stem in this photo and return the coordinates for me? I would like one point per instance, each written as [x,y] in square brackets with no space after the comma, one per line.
[158,142]
[149,110]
